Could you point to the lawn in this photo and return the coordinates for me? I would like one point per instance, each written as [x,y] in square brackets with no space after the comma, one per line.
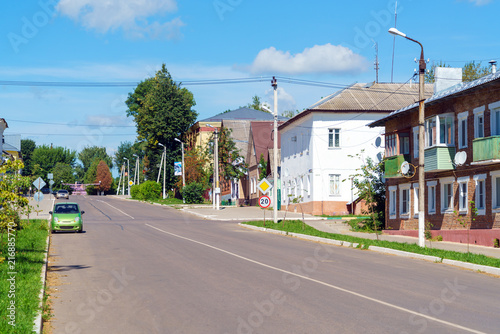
[297,226]
[22,256]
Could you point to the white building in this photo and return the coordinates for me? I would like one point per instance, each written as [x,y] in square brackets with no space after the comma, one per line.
[317,144]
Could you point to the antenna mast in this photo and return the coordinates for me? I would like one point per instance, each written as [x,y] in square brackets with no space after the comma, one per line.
[376,62]
[394,40]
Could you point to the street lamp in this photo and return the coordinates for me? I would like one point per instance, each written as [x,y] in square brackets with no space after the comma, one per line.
[421,134]
[136,171]
[128,176]
[164,160]
[216,192]
[183,170]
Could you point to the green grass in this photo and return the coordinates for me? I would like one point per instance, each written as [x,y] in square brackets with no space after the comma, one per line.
[30,244]
[297,226]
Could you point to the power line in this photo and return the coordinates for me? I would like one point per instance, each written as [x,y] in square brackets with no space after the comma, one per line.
[68,124]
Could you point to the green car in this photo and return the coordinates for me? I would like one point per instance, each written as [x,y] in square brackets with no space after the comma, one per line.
[66,217]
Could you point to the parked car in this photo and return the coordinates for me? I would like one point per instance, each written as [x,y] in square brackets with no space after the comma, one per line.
[63,193]
[66,216]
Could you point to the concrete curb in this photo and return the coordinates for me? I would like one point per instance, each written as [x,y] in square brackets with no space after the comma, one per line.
[37,326]
[460,264]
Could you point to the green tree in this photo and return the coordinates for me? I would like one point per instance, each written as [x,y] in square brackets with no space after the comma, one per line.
[103,176]
[90,177]
[27,148]
[231,163]
[162,111]
[92,153]
[368,181]
[63,173]
[256,104]
[290,113]
[262,167]
[470,71]
[44,159]
[12,202]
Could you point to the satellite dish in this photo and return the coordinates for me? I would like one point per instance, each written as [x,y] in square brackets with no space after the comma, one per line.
[378,141]
[460,158]
[379,156]
[405,167]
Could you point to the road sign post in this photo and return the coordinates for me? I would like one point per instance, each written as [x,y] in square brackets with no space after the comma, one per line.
[264,202]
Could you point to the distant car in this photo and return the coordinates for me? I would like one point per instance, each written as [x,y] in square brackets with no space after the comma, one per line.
[66,216]
[62,194]
[45,191]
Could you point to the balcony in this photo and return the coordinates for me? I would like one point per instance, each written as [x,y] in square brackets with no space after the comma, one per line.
[439,158]
[486,149]
[393,164]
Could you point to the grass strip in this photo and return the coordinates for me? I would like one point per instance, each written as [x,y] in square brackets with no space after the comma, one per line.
[21,260]
[297,226]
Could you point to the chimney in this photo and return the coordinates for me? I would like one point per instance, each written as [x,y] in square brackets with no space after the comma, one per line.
[493,64]
[446,77]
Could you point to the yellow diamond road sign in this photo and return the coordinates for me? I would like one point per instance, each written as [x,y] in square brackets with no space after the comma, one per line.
[264,186]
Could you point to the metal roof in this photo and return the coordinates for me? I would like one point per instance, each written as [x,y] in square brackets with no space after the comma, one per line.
[243,114]
[372,97]
[439,96]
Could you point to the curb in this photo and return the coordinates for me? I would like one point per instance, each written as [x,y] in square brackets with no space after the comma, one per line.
[37,326]
[390,251]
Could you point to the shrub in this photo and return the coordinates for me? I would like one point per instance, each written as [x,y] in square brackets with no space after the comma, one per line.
[146,191]
[193,193]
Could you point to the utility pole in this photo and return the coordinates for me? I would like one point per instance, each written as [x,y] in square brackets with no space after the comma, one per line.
[183,169]
[164,161]
[274,84]
[216,192]
[128,176]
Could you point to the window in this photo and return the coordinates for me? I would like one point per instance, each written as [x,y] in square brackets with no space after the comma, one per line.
[431,196]
[462,129]
[495,191]
[415,200]
[415,141]
[479,122]
[463,200]
[404,143]
[495,118]
[392,202]
[390,145]
[334,184]
[334,138]
[480,194]
[404,200]
[446,194]
[439,130]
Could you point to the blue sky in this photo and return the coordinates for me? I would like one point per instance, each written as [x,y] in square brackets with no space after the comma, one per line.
[128,40]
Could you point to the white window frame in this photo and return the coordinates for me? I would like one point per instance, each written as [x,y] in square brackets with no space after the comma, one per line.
[444,184]
[415,141]
[308,185]
[494,176]
[436,138]
[404,210]
[479,114]
[333,133]
[478,179]
[392,202]
[494,118]
[462,131]
[431,201]
[463,182]
[338,181]
[415,200]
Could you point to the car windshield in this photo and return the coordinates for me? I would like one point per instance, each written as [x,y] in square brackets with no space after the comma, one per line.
[66,208]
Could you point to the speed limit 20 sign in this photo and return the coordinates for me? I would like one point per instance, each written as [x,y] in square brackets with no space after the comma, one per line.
[264,201]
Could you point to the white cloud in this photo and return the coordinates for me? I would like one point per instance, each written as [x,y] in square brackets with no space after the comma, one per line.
[318,59]
[130,15]
[285,100]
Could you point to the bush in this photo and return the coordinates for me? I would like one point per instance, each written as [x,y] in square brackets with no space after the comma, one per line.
[193,193]
[146,191]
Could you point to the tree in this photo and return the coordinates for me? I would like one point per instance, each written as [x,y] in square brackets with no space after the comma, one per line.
[194,167]
[103,176]
[27,148]
[368,181]
[63,173]
[92,153]
[12,202]
[470,71]
[262,167]
[290,113]
[256,104]
[90,177]
[44,158]
[231,164]
[162,111]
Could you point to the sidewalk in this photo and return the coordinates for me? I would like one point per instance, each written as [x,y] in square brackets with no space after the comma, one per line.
[41,209]
[338,226]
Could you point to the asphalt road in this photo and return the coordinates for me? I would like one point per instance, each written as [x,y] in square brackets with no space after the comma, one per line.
[140,268]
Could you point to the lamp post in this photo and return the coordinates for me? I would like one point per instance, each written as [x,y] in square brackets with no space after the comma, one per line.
[183,170]
[128,176]
[136,170]
[421,134]
[216,192]
[164,160]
